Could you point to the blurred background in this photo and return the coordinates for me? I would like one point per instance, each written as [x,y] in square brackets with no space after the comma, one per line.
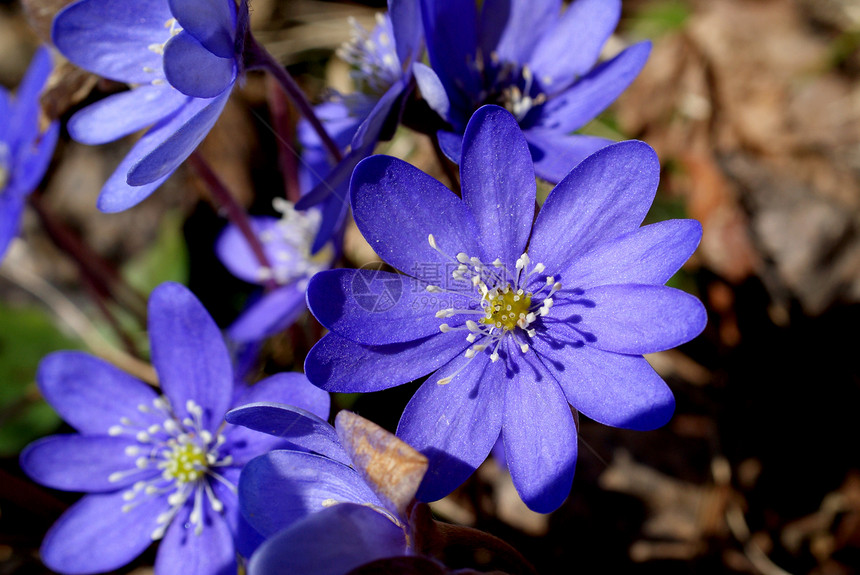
[753,107]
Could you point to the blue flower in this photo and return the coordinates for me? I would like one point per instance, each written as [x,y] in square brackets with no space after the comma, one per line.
[141,44]
[381,61]
[524,56]
[287,243]
[155,467]
[517,320]
[350,502]
[24,151]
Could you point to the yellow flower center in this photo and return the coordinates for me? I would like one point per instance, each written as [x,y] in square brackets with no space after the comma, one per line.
[506,308]
[186,463]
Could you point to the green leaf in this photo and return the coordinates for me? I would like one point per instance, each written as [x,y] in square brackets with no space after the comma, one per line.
[166,260]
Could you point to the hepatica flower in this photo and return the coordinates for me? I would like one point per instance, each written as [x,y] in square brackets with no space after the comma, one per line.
[516,321]
[155,467]
[24,150]
[349,503]
[532,59]
[195,44]
[287,244]
[381,60]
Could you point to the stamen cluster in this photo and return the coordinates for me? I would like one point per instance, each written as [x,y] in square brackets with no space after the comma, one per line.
[504,305]
[289,245]
[185,453]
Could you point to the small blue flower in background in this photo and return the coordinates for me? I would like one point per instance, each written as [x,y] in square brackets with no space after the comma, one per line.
[518,321]
[381,61]
[536,62]
[348,503]
[155,467]
[128,42]
[287,244]
[25,151]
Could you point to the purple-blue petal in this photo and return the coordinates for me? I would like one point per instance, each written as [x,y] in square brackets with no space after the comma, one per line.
[304,483]
[91,394]
[605,196]
[397,206]
[648,255]
[211,22]
[555,154]
[82,462]
[113,39]
[451,145]
[32,162]
[194,70]
[512,28]
[189,354]
[293,425]
[118,194]
[632,318]
[271,314]
[164,159]
[432,90]
[23,126]
[405,18]
[338,364]
[498,182]
[11,206]
[455,424]
[184,552]
[332,542]
[573,46]
[372,307]
[613,389]
[290,388]
[591,94]
[451,34]
[95,535]
[539,436]
[124,113]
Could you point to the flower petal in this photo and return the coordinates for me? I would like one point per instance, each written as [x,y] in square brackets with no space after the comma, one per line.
[607,195]
[539,436]
[33,161]
[194,70]
[291,425]
[289,388]
[408,34]
[451,35]
[23,126]
[271,314]
[332,542]
[91,394]
[498,182]
[212,24]
[189,354]
[82,462]
[118,194]
[96,535]
[432,90]
[632,318]
[11,206]
[305,484]
[455,424]
[165,158]
[591,94]
[338,364]
[451,145]
[647,255]
[124,113]
[113,39]
[613,389]
[373,307]
[555,154]
[184,552]
[397,206]
[579,35]
[512,28]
